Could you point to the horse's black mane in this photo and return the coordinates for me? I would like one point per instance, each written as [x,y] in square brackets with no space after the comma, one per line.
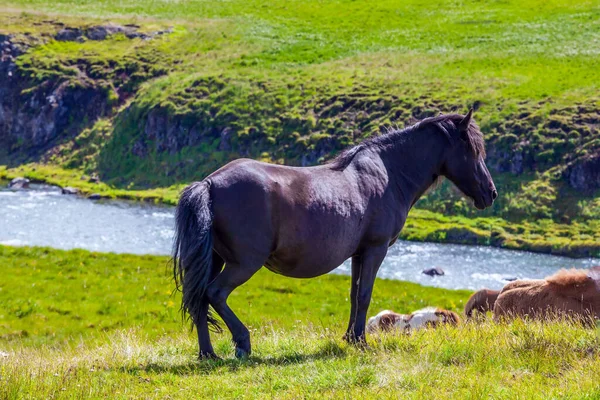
[445,123]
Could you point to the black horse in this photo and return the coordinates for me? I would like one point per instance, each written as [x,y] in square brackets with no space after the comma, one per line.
[305,222]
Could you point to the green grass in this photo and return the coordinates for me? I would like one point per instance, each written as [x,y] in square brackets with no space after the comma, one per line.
[50,295]
[76,324]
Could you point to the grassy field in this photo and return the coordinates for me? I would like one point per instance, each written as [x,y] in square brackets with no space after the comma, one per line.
[50,296]
[76,324]
[295,82]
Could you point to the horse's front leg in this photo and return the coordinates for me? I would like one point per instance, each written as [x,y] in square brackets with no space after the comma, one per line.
[364,271]
[353,297]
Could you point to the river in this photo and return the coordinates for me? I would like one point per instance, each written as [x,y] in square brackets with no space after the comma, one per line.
[42,216]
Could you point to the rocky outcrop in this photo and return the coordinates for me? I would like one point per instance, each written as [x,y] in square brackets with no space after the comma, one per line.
[538,141]
[162,133]
[514,161]
[10,84]
[34,115]
[584,173]
[102,32]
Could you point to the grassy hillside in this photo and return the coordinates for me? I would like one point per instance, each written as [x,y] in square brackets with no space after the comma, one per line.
[76,324]
[296,82]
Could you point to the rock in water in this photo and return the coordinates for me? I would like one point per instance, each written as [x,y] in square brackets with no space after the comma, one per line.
[94,196]
[19,183]
[69,190]
[437,271]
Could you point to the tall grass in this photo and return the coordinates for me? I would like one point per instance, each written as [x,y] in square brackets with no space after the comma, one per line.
[76,324]
[479,361]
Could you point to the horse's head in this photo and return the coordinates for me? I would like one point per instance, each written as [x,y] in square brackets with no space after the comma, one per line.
[448,317]
[464,163]
[578,283]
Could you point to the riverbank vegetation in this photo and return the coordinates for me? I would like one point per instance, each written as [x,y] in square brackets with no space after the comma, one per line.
[77,324]
[296,83]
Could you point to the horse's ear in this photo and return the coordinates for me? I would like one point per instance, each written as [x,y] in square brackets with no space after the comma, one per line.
[463,126]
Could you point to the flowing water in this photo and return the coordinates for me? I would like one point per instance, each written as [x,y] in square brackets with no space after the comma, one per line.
[42,216]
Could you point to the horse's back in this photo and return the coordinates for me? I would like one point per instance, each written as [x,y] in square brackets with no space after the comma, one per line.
[522,284]
[540,299]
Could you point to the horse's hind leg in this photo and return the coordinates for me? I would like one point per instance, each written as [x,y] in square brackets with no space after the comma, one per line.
[219,290]
[206,349]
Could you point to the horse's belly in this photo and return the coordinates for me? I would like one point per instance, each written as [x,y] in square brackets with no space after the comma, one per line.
[305,267]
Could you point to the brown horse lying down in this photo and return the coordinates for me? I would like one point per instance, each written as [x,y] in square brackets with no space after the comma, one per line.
[427,317]
[481,301]
[568,293]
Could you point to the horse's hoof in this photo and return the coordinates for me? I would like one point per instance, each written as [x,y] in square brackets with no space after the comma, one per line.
[208,356]
[241,354]
[362,344]
[358,341]
[353,339]
[348,337]
[242,347]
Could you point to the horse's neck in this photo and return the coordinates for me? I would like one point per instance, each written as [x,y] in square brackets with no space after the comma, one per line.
[414,164]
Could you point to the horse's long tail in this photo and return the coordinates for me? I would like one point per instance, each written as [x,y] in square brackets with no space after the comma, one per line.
[481,301]
[193,249]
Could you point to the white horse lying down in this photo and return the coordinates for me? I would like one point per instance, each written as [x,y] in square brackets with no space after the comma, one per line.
[427,317]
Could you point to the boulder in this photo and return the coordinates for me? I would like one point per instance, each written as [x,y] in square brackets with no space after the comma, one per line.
[584,173]
[69,190]
[101,32]
[436,271]
[19,183]
[95,196]
[69,35]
